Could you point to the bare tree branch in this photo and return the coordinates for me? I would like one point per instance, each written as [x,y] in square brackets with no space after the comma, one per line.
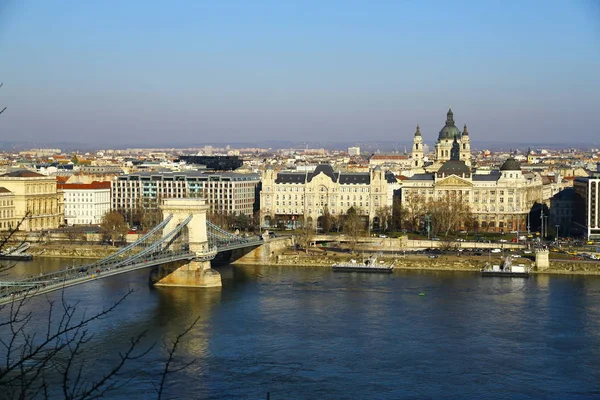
[171,351]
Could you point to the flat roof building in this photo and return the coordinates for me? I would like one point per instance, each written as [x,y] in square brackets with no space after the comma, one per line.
[226,192]
[586,217]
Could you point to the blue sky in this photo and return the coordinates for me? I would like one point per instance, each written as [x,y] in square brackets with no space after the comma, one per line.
[193,72]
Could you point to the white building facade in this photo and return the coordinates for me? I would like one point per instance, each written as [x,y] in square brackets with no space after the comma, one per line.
[226,192]
[289,196]
[586,202]
[85,203]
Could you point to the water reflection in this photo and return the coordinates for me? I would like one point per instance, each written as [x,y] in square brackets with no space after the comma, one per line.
[308,332]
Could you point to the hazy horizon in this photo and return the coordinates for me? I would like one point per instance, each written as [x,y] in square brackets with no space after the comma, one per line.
[188,73]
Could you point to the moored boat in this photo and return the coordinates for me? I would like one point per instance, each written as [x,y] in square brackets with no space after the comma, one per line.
[368,265]
[17,257]
[506,269]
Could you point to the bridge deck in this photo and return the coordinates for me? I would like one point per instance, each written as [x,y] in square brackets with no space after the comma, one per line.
[110,266]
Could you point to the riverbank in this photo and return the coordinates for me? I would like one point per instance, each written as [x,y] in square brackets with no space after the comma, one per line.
[324,259]
[68,250]
[423,262]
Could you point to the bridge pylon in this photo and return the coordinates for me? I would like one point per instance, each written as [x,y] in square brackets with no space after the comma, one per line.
[198,272]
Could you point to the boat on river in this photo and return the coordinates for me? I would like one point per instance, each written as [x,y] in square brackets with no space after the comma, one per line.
[506,269]
[17,253]
[368,265]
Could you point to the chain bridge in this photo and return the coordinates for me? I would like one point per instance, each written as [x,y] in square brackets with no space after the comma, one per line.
[179,249]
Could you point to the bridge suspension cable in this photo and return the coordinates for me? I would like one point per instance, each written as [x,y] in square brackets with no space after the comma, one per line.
[137,242]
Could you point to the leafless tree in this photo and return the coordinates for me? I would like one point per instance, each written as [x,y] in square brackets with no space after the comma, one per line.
[39,363]
[353,227]
[113,225]
[307,234]
[449,213]
[31,359]
[4,109]
[384,214]
[414,209]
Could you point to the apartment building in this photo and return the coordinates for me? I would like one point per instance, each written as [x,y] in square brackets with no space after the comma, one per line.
[226,192]
[85,203]
[585,213]
[35,197]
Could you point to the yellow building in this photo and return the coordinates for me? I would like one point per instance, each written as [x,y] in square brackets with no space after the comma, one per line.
[288,196]
[35,197]
[499,201]
[7,209]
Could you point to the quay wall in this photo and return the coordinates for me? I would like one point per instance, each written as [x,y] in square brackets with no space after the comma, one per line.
[276,252]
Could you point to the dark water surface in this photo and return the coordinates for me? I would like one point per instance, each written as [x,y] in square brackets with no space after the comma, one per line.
[308,333]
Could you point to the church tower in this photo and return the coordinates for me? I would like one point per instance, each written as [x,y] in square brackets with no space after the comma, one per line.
[445,138]
[465,147]
[417,150]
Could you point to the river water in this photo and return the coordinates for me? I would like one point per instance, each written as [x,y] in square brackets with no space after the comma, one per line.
[302,333]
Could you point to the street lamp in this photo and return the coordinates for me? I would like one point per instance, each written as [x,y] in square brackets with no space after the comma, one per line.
[557,234]
[428,220]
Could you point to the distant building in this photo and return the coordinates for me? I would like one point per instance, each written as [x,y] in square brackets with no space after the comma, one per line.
[216,163]
[226,192]
[499,201]
[443,147]
[353,151]
[36,200]
[287,197]
[561,211]
[390,161]
[585,211]
[85,203]
[7,210]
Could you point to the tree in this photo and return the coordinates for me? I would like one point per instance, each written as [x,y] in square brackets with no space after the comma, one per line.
[114,226]
[337,222]
[241,221]
[32,354]
[27,356]
[74,235]
[384,214]
[398,214]
[414,209]
[449,213]
[255,222]
[149,218]
[4,109]
[307,233]
[326,220]
[353,226]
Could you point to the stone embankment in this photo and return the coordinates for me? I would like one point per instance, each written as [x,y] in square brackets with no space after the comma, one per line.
[68,250]
[285,257]
[418,262]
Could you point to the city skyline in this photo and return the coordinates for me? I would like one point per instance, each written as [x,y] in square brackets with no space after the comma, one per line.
[196,73]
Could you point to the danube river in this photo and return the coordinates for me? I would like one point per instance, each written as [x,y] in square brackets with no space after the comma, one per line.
[302,333]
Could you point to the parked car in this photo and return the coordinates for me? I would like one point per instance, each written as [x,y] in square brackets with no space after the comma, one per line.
[495,251]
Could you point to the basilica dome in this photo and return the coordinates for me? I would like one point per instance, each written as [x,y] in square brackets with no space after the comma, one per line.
[510,165]
[449,131]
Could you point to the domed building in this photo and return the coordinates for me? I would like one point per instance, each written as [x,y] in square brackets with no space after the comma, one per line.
[499,201]
[447,134]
